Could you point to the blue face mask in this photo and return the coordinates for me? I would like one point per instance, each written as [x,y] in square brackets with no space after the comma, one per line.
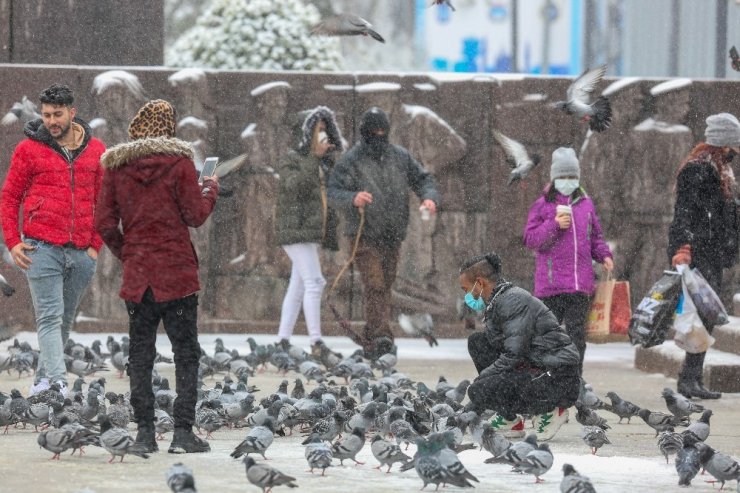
[475,302]
[566,186]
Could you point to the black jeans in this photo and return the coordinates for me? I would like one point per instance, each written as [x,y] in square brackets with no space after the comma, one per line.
[179,318]
[518,391]
[571,310]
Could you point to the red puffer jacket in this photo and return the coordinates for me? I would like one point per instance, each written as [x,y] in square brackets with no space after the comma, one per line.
[58,196]
[151,187]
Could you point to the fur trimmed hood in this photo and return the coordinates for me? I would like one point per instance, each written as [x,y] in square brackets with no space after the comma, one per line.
[118,155]
[332,130]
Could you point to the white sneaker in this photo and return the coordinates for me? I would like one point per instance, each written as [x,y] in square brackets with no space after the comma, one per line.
[63,388]
[39,387]
[509,429]
[547,425]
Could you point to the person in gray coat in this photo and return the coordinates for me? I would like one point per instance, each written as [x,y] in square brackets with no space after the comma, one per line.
[373,180]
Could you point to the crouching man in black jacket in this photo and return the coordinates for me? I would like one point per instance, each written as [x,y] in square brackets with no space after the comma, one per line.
[526,362]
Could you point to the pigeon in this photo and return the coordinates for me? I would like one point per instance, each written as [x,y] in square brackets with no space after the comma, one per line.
[516,157]
[679,405]
[348,448]
[318,454]
[687,461]
[599,113]
[56,441]
[36,415]
[588,417]
[594,437]
[621,407]
[700,427]
[458,393]
[588,398]
[163,423]
[117,441]
[419,325]
[537,462]
[493,442]
[515,454]
[18,404]
[207,418]
[735,59]
[266,477]
[6,288]
[180,479]
[443,444]
[22,111]
[661,421]
[257,441]
[721,466]
[7,418]
[444,2]
[346,25]
[669,443]
[84,368]
[387,453]
[573,482]
[429,468]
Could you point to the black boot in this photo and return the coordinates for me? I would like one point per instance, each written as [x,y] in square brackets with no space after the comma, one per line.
[705,393]
[690,379]
[186,442]
[146,439]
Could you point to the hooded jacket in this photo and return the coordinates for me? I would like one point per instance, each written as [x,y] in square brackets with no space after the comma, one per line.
[563,257]
[303,213]
[151,188]
[526,334]
[57,189]
[703,217]
[389,179]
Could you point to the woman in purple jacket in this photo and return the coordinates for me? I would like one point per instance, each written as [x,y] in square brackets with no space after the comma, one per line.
[564,231]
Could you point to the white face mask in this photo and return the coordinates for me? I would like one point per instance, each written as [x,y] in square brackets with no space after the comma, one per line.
[566,186]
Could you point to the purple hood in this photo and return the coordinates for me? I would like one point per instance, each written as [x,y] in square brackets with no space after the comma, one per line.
[564,257]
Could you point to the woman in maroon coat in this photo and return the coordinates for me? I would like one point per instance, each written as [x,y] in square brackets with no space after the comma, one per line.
[151,188]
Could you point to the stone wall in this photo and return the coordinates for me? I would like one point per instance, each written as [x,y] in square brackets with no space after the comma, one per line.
[446,122]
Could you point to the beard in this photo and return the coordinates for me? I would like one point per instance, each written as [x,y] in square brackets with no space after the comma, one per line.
[59,131]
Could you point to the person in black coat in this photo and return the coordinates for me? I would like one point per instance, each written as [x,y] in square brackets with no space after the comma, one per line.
[526,362]
[704,231]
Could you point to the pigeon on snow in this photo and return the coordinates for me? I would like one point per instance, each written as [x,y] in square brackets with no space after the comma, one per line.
[669,443]
[721,466]
[348,447]
[517,157]
[346,25]
[661,421]
[687,461]
[117,441]
[679,405]
[266,477]
[257,441]
[387,453]
[599,113]
[700,427]
[318,454]
[588,417]
[180,479]
[573,482]
[537,462]
[621,407]
[594,437]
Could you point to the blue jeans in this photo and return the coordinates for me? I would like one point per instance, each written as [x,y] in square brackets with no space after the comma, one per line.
[57,278]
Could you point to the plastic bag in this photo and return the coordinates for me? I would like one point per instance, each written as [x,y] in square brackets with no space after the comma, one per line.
[708,305]
[691,335]
[653,316]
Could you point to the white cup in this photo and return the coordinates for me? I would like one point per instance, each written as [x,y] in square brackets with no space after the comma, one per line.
[426,214]
[564,209]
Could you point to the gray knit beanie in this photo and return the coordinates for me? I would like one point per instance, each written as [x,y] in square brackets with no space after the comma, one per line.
[564,163]
[723,130]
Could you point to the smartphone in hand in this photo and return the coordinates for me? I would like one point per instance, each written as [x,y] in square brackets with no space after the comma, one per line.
[209,168]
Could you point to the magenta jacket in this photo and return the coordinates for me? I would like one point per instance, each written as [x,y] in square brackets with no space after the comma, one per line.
[564,257]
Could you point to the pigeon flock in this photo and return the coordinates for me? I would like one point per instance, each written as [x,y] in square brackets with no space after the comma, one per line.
[339,406]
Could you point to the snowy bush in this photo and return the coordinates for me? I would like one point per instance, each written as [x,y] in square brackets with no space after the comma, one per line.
[257,35]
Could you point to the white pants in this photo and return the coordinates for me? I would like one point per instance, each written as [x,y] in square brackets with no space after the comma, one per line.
[305,288]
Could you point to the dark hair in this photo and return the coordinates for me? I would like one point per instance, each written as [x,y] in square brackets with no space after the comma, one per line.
[57,95]
[487,265]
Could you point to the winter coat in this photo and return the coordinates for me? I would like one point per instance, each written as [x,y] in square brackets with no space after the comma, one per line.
[303,212]
[389,180]
[563,260]
[526,334]
[57,190]
[151,187]
[704,218]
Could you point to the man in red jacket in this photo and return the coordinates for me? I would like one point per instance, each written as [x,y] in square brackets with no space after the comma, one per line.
[151,188]
[55,175]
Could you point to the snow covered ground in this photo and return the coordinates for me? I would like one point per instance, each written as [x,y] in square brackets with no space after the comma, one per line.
[631,463]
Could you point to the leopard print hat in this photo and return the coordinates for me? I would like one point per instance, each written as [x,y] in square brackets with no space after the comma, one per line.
[155,119]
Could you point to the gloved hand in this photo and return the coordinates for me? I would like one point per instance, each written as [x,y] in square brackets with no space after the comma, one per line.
[682,256]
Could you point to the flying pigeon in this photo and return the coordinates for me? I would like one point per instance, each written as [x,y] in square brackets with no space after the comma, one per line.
[573,482]
[537,462]
[22,111]
[735,59]
[679,405]
[443,2]
[266,477]
[180,479]
[594,437]
[419,325]
[598,114]
[387,453]
[621,407]
[346,25]
[661,421]
[6,288]
[517,158]
[318,454]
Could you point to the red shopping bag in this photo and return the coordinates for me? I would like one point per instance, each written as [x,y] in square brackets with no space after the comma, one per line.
[621,309]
